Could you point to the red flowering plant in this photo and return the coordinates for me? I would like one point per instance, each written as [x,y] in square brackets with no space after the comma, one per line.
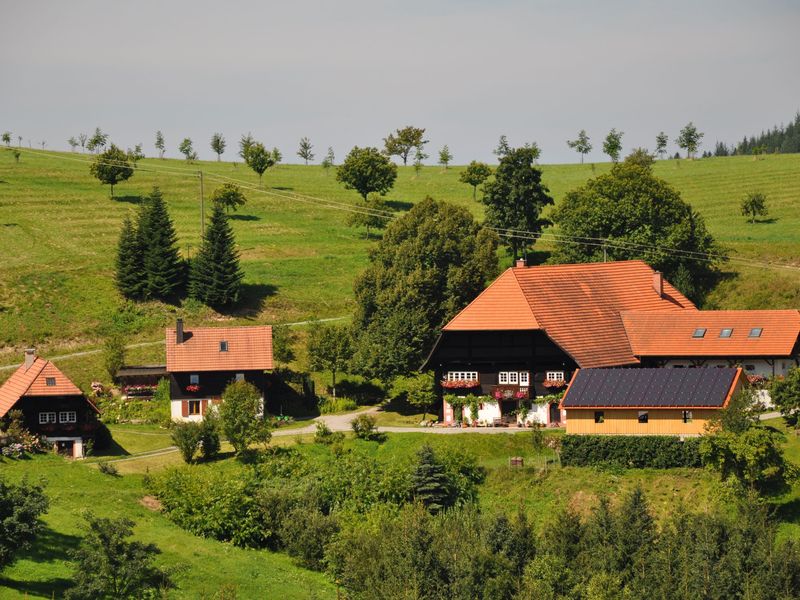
[459,384]
[193,387]
[756,380]
[553,384]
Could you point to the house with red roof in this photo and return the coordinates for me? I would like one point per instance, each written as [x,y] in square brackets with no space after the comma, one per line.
[202,361]
[51,404]
[530,329]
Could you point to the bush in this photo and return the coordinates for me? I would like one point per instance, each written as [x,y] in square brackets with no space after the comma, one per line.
[305,533]
[209,436]
[365,427]
[107,468]
[324,435]
[187,436]
[335,405]
[629,451]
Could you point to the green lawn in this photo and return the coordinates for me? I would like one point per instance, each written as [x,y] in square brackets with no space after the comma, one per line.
[60,229]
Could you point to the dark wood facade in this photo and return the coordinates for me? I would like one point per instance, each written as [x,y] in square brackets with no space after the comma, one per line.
[212,383]
[59,411]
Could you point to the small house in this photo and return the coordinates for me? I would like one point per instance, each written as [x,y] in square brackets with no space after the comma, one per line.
[51,404]
[647,401]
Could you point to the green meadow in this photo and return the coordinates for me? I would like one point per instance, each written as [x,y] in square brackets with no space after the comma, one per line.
[58,232]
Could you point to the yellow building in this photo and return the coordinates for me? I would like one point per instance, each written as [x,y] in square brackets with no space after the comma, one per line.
[647,401]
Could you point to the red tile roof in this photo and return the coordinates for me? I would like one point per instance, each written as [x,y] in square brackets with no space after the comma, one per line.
[578,306]
[670,334]
[249,348]
[33,382]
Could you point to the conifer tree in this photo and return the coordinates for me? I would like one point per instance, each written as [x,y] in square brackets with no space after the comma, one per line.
[430,484]
[216,278]
[635,533]
[161,262]
[129,270]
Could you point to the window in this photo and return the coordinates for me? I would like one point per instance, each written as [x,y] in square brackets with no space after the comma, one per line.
[749,367]
[643,416]
[223,346]
[194,407]
[687,416]
[50,381]
[67,416]
[47,417]
[699,332]
[502,377]
[599,416]
[755,332]
[554,376]
[514,378]
[726,332]
[194,379]
[524,378]
[462,376]
[240,377]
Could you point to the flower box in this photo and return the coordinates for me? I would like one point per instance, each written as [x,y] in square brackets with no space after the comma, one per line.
[552,384]
[460,384]
[192,388]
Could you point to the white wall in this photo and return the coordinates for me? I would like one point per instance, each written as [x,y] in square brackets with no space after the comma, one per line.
[176,412]
[760,366]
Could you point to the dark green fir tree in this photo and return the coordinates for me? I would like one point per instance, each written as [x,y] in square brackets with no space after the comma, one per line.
[129,268]
[216,279]
[430,484]
[161,262]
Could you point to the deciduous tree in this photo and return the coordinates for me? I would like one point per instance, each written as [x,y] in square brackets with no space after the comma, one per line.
[475,174]
[98,141]
[111,167]
[366,170]
[245,143]
[516,197]
[612,145]
[374,213]
[786,393]
[218,145]
[329,349]
[581,144]
[240,414]
[73,143]
[754,205]
[661,144]
[328,161]
[258,158]
[403,141]
[114,354]
[445,157]
[161,146]
[418,390]
[503,147]
[229,196]
[689,139]
[419,156]
[82,138]
[21,508]
[216,278]
[306,150]
[187,149]
[7,138]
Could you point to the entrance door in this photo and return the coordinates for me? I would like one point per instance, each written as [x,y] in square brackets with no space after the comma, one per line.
[65,447]
[506,408]
[555,414]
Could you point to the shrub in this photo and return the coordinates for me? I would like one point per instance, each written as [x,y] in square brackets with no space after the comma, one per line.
[305,534]
[365,427]
[239,421]
[107,468]
[628,451]
[187,436]
[21,507]
[335,405]
[324,435]
[209,435]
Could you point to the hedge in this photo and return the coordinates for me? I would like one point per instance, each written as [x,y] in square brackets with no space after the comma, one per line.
[630,451]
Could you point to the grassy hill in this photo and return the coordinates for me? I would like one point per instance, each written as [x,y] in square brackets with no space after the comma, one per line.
[58,231]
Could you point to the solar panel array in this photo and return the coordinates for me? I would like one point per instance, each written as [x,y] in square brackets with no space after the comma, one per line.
[702,387]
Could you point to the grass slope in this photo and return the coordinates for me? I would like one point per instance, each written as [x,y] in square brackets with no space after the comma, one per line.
[59,230]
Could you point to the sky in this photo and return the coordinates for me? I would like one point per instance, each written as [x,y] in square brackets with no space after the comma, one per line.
[348,72]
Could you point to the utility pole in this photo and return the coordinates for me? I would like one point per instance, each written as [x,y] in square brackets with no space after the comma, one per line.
[202,209]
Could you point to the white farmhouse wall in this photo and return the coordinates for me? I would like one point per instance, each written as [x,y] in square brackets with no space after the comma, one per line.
[176,412]
[759,365]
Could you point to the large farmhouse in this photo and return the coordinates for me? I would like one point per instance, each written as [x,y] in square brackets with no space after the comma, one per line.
[51,404]
[202,361]
[534,326]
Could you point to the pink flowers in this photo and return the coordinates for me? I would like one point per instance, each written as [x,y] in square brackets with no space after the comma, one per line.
[193,388]
[459,383]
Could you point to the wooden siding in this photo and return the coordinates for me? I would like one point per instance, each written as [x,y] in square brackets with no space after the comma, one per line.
[661,421]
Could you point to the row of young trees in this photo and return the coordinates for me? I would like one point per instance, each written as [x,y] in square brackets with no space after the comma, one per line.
[149,266]
[689,139]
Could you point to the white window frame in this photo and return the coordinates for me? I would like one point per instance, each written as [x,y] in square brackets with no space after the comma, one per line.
[45,418]
[194,379]
[68,416]
[462,376]
[554,376]
[502,378]
[524,378]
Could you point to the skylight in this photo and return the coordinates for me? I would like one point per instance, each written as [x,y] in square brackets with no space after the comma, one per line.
[699,332]
[756,332]
[223,346]
[726,332]
[50,381]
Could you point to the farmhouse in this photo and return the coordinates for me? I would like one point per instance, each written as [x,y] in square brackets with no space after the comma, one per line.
[527,333]
[51,404]
[202,361]
[647,401]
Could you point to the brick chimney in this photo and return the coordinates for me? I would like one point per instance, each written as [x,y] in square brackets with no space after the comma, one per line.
[658,283]
[179,331]
[30,357]
[520,263]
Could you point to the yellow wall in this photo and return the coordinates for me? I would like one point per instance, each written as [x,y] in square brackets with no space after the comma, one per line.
[625,422]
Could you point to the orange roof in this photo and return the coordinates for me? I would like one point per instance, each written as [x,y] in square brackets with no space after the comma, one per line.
[501,306]
[671,334]
[249,348]
[33,382]
[578,306]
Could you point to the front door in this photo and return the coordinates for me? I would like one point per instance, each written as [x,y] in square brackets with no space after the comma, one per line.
[555,414]
[65,447]
[507,407]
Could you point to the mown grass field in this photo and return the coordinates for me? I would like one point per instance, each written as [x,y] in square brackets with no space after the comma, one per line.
[58,231]
[202,566]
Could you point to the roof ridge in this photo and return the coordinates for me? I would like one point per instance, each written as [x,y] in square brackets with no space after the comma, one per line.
[45,362]
[525,297]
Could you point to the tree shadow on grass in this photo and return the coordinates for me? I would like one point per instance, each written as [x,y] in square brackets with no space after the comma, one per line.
[283,188]
[788,512]
[399,204]
[129,198]
[765,221]
[244,218]
[113,450]
[252,299]
[49,546]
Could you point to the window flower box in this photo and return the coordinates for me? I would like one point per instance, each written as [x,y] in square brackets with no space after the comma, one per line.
[460,384]
[192,388]
[552,384]
[139,390]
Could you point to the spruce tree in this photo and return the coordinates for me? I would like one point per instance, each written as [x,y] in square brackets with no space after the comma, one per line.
[216,278]
[129,268]
[161,261]
[430,484]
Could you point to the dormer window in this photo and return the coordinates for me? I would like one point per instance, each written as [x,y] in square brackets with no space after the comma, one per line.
[223,346]
[50,381]
[726,332]
[755,332]
[699,332]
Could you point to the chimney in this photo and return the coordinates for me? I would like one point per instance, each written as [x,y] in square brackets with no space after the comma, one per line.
[658,283]
[520,262]
[179,331]
[30,357]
